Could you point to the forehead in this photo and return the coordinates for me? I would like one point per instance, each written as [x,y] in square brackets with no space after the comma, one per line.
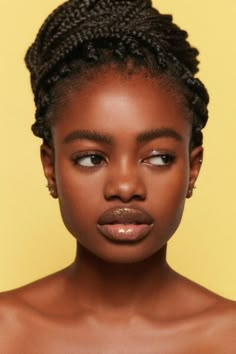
[113,102]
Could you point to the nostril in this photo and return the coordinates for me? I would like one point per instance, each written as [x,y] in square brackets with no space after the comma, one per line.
[125,199]
[125,191]
[138,197]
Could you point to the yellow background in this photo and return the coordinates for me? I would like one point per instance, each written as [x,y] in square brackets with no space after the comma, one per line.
[34,241]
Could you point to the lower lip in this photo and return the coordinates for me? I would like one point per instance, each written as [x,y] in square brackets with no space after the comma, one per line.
[125,233]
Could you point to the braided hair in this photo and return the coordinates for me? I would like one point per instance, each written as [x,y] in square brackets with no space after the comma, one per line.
[81,35]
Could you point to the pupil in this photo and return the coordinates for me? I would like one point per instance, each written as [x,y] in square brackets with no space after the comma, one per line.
[96,159]
[166,158]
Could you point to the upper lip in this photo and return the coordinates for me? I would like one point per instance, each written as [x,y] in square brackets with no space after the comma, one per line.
[125,215]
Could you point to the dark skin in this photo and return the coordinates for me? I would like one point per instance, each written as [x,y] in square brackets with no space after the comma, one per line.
[119,297]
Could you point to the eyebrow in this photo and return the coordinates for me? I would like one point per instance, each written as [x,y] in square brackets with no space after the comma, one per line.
[88,135]
[159,133]
[107,139]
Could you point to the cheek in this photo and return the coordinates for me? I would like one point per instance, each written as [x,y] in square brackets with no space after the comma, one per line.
[168,195]
[171,185]
[79,198]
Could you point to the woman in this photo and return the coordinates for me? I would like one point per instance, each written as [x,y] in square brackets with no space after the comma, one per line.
[121,114]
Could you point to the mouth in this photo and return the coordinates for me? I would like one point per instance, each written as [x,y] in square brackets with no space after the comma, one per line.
[125,224]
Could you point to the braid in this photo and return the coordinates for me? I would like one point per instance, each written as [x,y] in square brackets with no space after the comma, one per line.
[81,34]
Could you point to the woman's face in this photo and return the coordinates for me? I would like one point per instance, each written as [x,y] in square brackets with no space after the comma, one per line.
[121,166]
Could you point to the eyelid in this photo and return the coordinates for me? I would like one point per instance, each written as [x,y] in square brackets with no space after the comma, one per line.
[83,154]
[160,154]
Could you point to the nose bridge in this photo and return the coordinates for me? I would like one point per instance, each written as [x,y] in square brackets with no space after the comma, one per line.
[124,181]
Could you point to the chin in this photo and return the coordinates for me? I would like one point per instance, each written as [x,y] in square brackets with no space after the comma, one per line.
[123,253]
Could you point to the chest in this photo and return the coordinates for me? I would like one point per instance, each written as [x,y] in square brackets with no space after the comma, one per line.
[116,338]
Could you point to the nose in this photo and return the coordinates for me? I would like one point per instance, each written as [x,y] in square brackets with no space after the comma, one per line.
[125,183]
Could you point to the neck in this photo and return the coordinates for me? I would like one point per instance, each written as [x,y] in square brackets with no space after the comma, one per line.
[124,286]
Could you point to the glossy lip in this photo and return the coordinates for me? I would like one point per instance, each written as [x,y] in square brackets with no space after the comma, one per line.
[122,224]
[125,215]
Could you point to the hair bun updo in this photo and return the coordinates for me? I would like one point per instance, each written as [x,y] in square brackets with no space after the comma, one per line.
[83,30]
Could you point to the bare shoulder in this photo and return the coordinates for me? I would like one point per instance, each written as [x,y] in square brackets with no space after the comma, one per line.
[208,302]
[225,316]
[26,308]
[222,329]
[34,297]
[213,317]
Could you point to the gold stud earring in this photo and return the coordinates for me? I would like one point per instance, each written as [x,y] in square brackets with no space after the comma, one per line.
[50,189]
[190,193]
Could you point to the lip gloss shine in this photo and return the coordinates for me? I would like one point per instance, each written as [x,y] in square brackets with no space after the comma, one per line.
[125,232]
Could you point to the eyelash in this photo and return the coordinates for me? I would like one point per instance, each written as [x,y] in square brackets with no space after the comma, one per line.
[166,159]
[90,155]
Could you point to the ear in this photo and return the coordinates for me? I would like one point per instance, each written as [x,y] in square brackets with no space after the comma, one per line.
[196,157]
[48,162]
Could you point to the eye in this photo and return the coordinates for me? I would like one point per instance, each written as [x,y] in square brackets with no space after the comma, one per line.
[160,160]
[89,160]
